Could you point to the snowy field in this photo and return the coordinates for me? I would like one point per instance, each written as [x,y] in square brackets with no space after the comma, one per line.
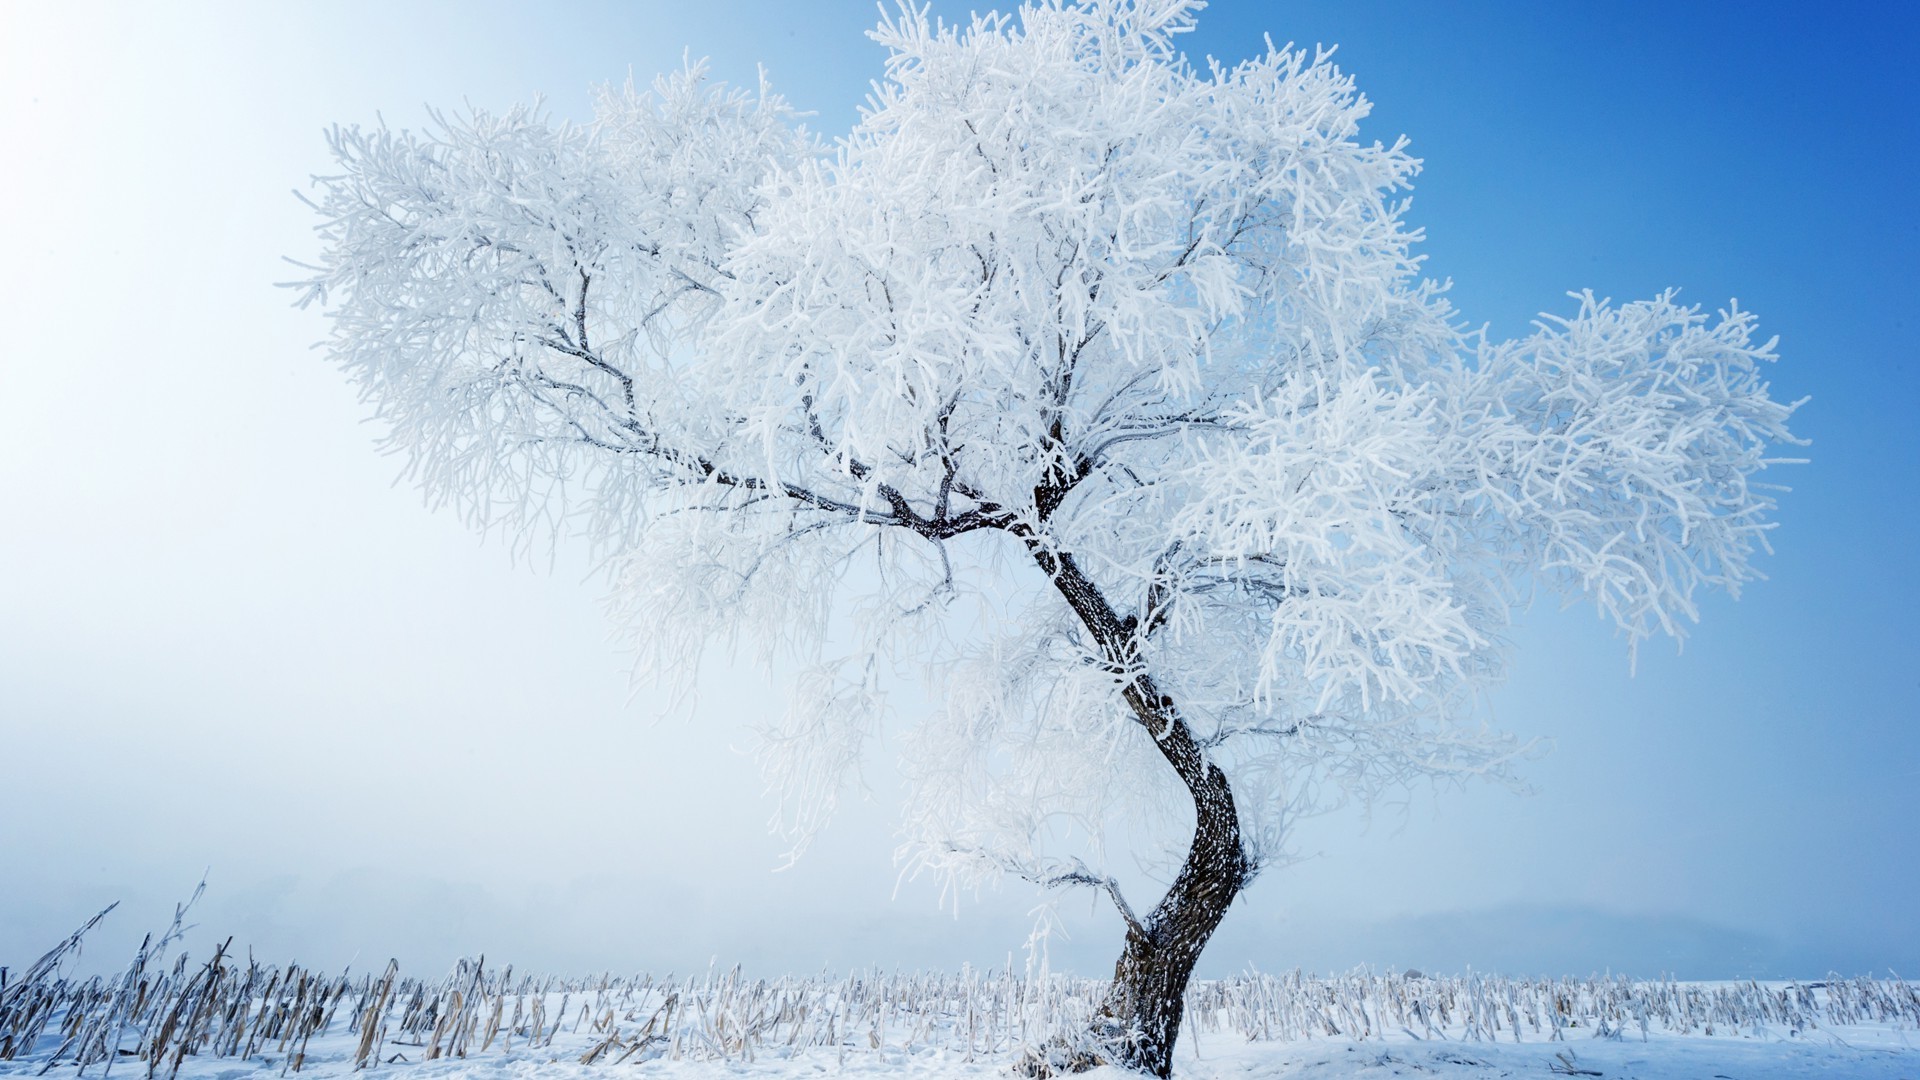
[1868,1053]
[169,1014]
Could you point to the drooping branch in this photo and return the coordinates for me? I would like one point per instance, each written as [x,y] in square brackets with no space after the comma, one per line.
[1070,871]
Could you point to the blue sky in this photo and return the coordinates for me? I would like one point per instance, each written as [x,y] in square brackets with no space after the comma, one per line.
[230,643]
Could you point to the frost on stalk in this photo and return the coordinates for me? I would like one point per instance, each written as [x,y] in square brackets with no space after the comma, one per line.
[1099,389]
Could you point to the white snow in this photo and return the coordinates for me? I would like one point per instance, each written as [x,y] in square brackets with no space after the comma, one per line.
[1864,1052]
[220,1019]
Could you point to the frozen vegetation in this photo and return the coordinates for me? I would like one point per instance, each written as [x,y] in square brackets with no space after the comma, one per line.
[170,1014]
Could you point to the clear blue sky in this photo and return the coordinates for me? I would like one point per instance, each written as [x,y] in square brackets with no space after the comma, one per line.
[227,642]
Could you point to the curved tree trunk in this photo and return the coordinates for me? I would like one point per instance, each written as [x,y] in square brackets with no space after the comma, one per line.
[1139,1021]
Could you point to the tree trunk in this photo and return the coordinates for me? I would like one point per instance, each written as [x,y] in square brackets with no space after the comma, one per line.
[1139,1021]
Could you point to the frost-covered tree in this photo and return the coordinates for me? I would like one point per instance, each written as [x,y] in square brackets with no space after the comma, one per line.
[1099,388]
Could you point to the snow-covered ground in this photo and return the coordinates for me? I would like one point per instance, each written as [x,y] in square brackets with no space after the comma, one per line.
[1867,1053]
[166,1015]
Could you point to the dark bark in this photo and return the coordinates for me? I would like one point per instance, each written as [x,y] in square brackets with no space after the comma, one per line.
[1140,1019]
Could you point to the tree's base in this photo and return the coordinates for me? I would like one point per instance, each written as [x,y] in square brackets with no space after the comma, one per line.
[1059,1057]
[1062,1056]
